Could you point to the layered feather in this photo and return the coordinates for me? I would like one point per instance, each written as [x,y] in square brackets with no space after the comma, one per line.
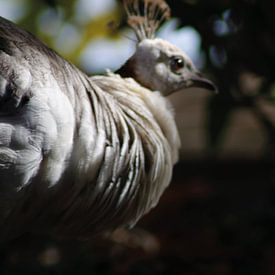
[78,155]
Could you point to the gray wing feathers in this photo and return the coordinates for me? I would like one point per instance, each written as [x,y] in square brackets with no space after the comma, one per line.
[15,91]
[15,83]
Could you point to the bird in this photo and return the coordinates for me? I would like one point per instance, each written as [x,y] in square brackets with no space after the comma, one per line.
[81,155]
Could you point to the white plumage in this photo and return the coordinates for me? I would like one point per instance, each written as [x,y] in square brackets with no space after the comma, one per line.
[82,155]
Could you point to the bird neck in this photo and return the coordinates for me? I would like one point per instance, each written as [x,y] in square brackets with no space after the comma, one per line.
[123,153]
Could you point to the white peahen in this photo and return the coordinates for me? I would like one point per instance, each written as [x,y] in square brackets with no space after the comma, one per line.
[81,155]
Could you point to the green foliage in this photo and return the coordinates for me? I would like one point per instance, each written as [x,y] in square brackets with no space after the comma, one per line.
[63,12]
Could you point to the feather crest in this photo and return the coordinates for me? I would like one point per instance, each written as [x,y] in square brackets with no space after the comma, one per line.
[144,17]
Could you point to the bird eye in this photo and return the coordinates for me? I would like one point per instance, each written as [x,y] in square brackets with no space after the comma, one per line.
[176,64]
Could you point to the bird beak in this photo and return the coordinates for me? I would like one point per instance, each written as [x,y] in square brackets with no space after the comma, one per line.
[198,81]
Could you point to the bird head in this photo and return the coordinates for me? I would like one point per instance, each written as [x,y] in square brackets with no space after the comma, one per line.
[156,63]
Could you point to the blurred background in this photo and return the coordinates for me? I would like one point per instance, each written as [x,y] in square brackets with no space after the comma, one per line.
[218,215]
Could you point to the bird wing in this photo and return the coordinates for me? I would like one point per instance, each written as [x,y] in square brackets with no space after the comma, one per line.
[36,121]
[15,92]
[15,76]
[32,99]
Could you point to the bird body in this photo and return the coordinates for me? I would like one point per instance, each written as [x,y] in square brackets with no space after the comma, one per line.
[73,148]
[79,155]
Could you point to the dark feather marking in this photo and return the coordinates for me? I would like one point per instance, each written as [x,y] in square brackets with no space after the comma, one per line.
[5,46]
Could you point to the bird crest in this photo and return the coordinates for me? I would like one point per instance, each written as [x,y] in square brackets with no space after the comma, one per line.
[144,17]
